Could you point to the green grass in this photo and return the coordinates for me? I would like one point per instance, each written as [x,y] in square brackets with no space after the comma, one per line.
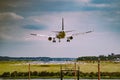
[22,66]
[104,67]
[10,66]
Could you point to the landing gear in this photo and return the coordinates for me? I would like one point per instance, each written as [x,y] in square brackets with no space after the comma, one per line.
[68,40]
[54,40]
[59,40]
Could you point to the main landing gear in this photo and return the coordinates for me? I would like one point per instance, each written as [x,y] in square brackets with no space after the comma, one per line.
[54,40]
[69,38]
[59,40]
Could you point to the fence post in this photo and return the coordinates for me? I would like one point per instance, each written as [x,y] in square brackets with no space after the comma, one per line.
[29,72]
[61,74]
[98,68]
[78,73]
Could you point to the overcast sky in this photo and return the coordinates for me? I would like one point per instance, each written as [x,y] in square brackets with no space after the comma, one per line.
[20,18]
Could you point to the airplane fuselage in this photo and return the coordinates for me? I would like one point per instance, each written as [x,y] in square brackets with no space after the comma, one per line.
[61,35]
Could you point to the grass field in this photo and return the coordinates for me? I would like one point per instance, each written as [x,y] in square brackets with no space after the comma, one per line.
[22,66]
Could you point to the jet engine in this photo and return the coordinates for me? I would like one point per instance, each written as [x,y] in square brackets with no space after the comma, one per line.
[49,38]
[70,37]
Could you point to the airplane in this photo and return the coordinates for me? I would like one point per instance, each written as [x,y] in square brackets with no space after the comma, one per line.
[61,34]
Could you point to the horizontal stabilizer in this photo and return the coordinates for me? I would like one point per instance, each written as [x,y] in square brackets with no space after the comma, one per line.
[33,34]
[69,31]
[89,31]
[64,31]
[56,31]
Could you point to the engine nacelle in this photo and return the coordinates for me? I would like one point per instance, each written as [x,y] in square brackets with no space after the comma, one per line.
[49,38]
[70,37]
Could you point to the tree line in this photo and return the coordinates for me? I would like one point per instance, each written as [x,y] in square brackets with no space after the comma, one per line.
[45,59]
[111,57]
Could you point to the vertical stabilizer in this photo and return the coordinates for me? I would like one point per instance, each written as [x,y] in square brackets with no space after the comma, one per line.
[62,24]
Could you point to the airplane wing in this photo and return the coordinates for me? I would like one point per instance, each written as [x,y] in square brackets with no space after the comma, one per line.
[69,31]
[70,37]
[64,31]
[39,35]
[56,31]
[79,33]
[50,38]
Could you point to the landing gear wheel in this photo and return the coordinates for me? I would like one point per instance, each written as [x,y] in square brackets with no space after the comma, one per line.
[59,40]
[54,40]
[68,40]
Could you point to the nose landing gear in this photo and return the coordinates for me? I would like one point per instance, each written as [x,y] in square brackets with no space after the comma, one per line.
[54,40]
[59,40]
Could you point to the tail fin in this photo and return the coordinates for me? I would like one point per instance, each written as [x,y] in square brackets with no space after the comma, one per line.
[62,24]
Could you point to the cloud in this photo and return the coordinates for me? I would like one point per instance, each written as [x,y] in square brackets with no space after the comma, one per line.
[72,20]
[99,5]
[10,25]
[90,4]
[4,36]
[10,16]
[69,0]
[118,12]
[84,1]
[34,27]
